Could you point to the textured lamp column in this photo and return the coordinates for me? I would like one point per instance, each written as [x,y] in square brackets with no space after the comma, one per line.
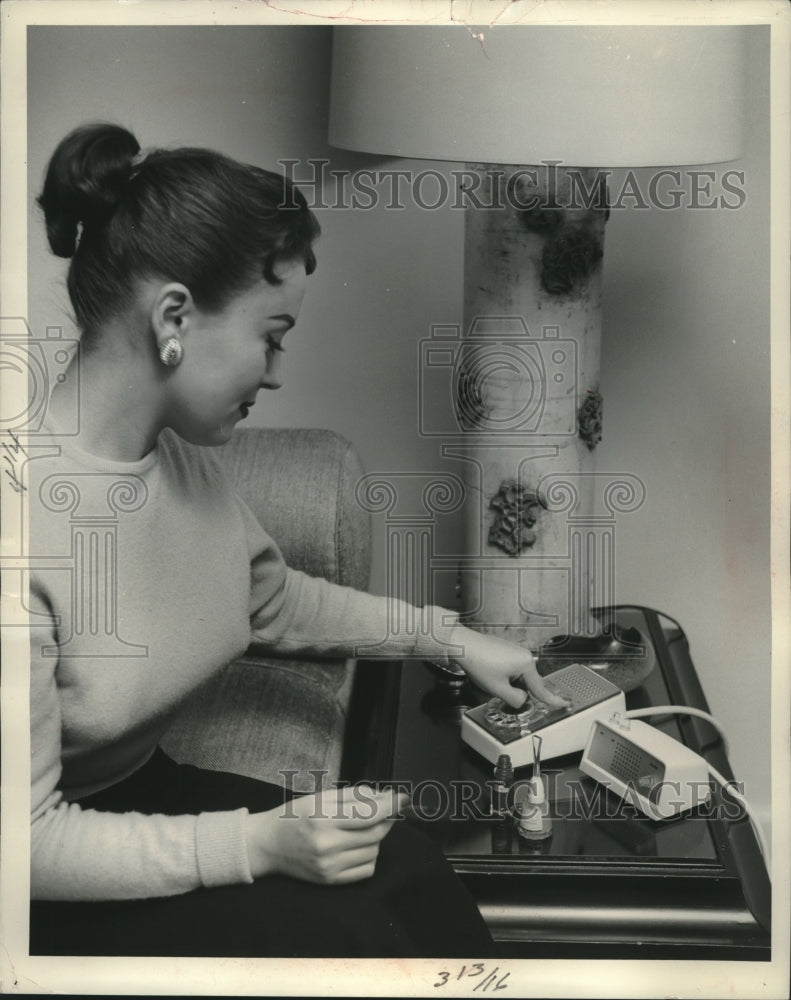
[535,112]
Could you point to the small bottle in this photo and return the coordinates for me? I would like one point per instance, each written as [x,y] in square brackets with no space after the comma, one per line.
[532,812]
[501,785]
[502,835]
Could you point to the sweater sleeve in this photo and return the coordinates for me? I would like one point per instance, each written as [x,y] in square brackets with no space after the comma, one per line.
[83,854]
[296,614]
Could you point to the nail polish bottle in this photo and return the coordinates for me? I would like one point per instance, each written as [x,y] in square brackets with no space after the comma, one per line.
[502,835]
[503,778]
[532,807]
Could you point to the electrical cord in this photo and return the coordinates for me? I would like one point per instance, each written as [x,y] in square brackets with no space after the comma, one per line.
[636,713]
[724,782]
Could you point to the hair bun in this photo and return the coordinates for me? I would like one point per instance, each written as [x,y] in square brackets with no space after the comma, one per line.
[85,181]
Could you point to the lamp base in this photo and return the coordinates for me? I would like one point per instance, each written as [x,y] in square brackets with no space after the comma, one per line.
[527,383]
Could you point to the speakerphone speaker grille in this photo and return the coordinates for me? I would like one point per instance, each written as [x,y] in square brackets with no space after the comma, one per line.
[615,755]
[583,685]
[626,763]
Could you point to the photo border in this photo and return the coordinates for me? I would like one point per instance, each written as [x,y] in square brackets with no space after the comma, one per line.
[22,973]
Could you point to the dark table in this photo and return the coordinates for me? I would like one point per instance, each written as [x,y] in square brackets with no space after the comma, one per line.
[610,882]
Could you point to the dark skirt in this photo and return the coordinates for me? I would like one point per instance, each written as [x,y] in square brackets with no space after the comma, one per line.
[414,906]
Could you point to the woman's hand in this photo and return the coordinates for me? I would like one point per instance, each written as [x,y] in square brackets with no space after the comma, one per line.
[329,838]
[502,668]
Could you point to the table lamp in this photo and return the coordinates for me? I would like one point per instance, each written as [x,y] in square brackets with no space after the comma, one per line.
[537,115]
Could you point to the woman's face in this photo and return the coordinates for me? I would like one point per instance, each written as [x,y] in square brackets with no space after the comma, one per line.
[230,355]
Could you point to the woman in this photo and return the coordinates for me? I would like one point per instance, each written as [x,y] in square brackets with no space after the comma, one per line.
[187,270]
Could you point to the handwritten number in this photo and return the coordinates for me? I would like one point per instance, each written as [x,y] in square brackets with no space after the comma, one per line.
[485,983]
[477,969]
[15,483]
[17,446]
[11,460]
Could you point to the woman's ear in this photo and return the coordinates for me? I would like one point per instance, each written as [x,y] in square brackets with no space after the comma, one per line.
[171,310]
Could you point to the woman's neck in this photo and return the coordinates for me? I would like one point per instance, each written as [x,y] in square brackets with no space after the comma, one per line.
[118,403]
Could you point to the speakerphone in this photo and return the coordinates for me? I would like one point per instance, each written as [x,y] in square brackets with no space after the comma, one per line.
[495,728]
[645,767]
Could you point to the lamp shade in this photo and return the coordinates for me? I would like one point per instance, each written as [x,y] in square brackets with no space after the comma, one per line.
[583,95]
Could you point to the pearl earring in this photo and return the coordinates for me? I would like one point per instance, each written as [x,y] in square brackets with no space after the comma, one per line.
[171,352]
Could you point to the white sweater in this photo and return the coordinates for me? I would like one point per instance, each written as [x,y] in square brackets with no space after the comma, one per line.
[149,577]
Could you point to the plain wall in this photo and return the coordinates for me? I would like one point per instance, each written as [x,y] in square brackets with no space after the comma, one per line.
[686,384]
[685,346]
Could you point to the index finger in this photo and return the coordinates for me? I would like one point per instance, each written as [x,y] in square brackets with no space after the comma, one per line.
[363,807]
[543,690]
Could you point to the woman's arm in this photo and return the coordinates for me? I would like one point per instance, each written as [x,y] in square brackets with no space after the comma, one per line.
[85,854]
[81,854]
[297,614]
